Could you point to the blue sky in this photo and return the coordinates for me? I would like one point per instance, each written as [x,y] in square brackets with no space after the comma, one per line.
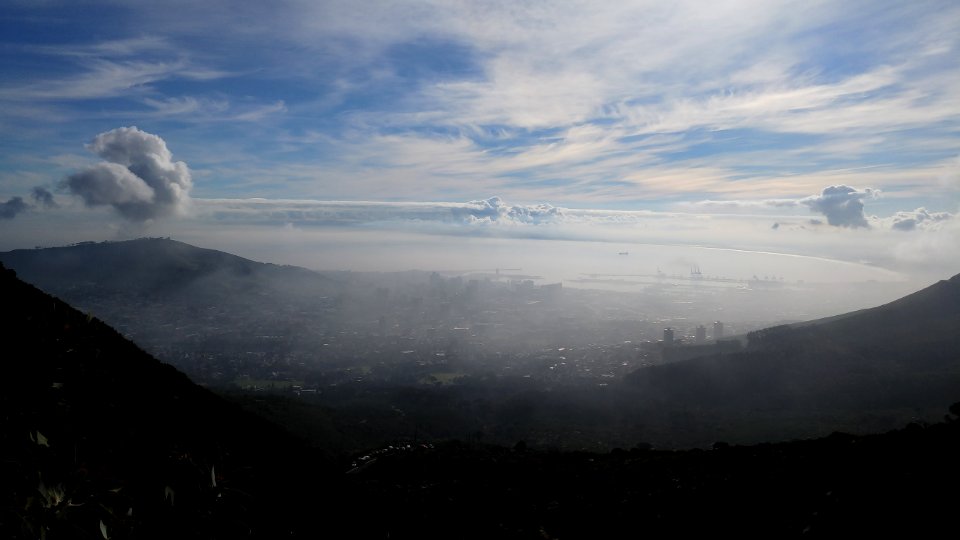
[613,112]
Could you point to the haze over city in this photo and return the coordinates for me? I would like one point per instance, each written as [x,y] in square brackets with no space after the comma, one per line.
[796,140]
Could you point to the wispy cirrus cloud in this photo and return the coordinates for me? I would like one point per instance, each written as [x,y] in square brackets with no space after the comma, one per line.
[195,110]
[98,79]
[123,47]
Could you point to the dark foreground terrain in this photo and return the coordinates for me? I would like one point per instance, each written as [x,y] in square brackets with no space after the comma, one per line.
[98,440]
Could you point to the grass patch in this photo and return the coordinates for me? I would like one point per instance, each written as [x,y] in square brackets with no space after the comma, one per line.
[442,378]
[248,383]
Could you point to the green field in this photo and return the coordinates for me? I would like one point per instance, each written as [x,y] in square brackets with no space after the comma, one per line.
[442,377]
[247,383]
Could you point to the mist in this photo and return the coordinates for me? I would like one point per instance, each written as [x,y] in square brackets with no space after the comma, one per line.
[621,266]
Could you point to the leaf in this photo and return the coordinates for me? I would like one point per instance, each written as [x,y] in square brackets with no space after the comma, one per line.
[103,530]
[39,438]
[52,496]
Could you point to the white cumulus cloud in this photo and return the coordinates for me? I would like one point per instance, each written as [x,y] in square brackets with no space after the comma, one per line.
[841,205]
[138,178]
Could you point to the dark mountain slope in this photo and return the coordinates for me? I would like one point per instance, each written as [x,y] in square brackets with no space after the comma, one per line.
[96,431]
[165,294]
[922,329]
[152,267]
[902,483]
[903,356]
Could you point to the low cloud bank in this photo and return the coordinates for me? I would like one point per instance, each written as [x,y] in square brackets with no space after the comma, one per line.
[842,206]
[495,210]
[908,221]
[492,211]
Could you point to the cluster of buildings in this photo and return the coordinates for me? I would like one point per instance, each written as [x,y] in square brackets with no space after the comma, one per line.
[673,348]
[699,337]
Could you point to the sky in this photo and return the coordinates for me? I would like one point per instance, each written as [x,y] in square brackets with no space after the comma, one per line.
[804,139]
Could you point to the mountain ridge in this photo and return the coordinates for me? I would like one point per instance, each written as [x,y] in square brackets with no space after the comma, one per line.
[898,359]
[945,292]
[151,265]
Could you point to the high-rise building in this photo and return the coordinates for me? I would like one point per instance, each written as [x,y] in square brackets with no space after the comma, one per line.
[717,330]
[701,335]
[668,336]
